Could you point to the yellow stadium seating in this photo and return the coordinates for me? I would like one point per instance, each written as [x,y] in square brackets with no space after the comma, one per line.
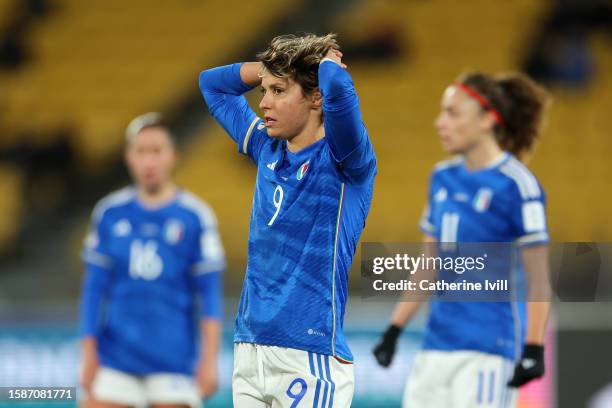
[10,204]
[100,63]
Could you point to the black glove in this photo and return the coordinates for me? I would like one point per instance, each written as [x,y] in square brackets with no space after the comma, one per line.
[529,367]
[385,349]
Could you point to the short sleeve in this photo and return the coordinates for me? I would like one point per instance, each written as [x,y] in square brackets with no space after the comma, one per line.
[210,255]
[426,223]
[529,216]
[95,247]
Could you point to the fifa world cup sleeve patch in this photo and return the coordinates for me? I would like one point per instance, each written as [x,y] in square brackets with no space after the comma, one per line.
[534,216]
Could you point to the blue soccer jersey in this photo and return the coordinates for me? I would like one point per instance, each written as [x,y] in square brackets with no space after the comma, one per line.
[309,209]
[500,203]
[146,270]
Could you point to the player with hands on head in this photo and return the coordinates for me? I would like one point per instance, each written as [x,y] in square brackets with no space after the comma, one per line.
[477,353]
[315,175]
[153,254]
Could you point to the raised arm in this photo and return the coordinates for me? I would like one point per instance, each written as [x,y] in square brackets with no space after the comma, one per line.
[223,89]
[344,129]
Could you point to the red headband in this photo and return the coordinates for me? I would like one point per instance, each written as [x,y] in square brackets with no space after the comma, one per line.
[482,100]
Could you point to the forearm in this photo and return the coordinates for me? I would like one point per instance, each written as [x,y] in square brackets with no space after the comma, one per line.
[210,330]
[250,73]
[537,313]
[535,261]
[344,127]
[411,302]
[404,311]
[89,344]
[223,80]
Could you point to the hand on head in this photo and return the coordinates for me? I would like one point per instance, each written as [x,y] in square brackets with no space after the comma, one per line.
[335,55]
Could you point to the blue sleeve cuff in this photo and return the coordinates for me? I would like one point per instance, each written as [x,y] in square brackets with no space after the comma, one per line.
[224,79]
[209,287]
[94,287]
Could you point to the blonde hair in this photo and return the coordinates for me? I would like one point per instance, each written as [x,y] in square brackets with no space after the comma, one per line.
[147,120]
[298,57]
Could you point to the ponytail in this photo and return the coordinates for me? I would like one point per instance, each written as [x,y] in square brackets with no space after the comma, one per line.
[523,113]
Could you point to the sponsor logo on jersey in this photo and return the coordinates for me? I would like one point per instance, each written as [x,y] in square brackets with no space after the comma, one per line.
[174,230]
[482,201]
[122,228]
[272,165]
[261,126]
[302,170]
[440,195]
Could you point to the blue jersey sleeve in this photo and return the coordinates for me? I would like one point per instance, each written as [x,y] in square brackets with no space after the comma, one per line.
[95,249]
[98,265]
[209,265]
[94,287]
[223,91]
[529,214]
[210,256]
[344,129]
[209,288]
[426,223]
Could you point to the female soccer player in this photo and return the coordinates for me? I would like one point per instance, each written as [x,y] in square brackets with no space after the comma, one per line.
[152,254]
[485,194]
[315,174]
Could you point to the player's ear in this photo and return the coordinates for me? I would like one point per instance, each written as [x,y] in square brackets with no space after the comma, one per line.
[487,121]
[316,99]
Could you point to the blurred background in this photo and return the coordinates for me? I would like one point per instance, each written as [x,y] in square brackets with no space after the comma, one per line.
[73,73]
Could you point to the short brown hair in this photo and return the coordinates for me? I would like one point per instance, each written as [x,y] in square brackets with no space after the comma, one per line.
[147,120]
[298,57]
[521,103]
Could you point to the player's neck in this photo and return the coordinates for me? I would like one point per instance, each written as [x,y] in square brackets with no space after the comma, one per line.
[312,132]
[482,155]
[152,198]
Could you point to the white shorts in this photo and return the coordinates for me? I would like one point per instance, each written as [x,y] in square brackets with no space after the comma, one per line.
[459,379]
[275,377]
[162,388]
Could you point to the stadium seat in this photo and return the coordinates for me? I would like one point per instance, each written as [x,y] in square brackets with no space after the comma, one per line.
[10,204]
[98,64]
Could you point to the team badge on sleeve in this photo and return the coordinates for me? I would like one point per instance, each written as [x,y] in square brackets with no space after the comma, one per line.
[534,216]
